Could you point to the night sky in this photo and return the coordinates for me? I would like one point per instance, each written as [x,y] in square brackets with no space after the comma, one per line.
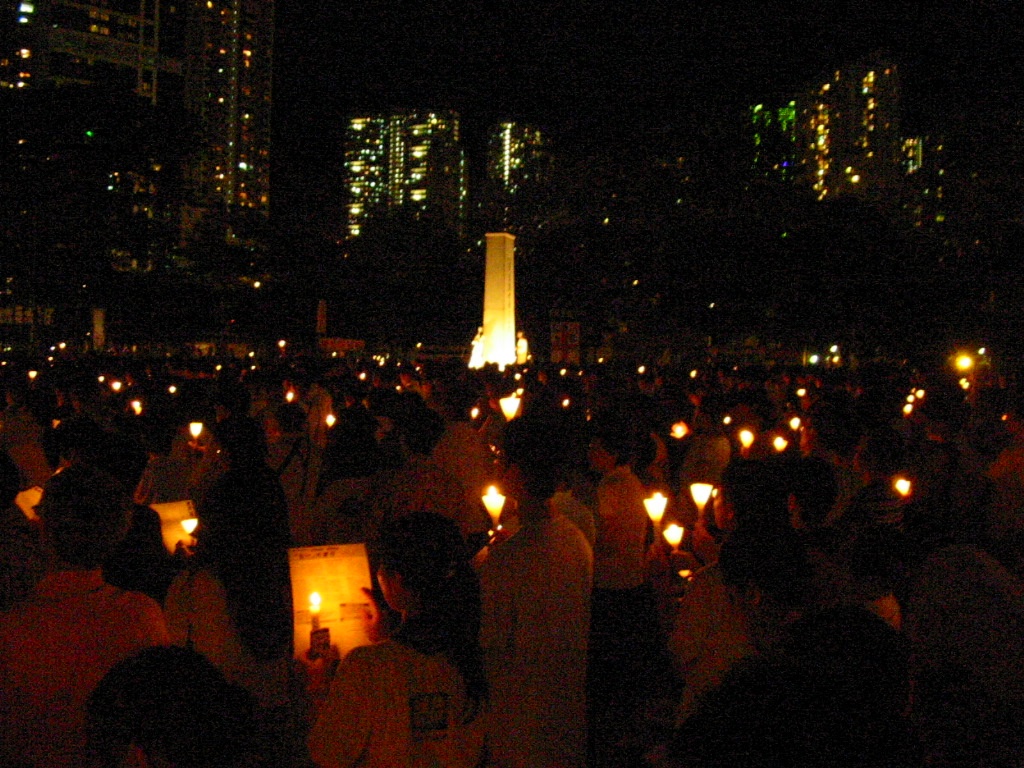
[595,72]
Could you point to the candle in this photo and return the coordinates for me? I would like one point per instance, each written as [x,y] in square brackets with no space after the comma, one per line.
[315,603]
[902,486]
[780,443]
[680,430]
[655,506]
[493,502]
[330,419]
[701,492]
[746,440]
[674,536]
[136,407]
[794,423]
[510,406]
[195,429]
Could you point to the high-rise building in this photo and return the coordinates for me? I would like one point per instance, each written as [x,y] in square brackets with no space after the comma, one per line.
[228,92]
[127,45]
[517,156]
[849,132]
[775,140]
[410,163]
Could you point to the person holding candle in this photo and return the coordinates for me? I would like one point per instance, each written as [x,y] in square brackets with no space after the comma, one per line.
[419,697]
[626,645]
[536,616]
[57,644]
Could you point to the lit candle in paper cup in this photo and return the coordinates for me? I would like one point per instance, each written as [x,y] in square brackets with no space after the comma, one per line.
[655,506]
[32,375]
[195,429]
[315,604]
[780,443]
[136,407]
[701,492]
[680,430]
[116,385]
[746,440]
[494,502]
[510,406]
[330,420]
[903,486]
[674,536]
[794,423]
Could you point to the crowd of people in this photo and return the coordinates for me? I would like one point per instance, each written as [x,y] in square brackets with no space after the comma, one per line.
[850,592]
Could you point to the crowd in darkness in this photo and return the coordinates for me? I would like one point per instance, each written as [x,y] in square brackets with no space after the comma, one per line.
[851,594]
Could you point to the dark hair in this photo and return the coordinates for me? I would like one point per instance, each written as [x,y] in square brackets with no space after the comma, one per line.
[10,479]
[813,484]
[772,560]
[174,704]
[85,514]
[432,558]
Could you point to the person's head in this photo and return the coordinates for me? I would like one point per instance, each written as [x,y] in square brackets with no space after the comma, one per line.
[768,575]
[175,708]
[613,443]
[425,574]
[813,490]
[10,479]
[243,441]
[85,514]
[535,452]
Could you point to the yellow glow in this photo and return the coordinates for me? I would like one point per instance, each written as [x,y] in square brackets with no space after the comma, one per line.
[289,396]
[701,492]
[190,524]
[562,372]
[920,394]
[964,363]
[566,403]
[902,486]
[855,178]
[195,429]
[780,443]
[315,602]
[493,503]
[680,430]
[172,389]
[510,406]
[693,373]
[674,536]
[727,420]
[641,370]
[116,386]
[330,420]
[908,409]
[136,407]
[746,438]
[794,423]
[911,397]
[655,506]
[282,343]
[965,384]
[474,412]
[801,392]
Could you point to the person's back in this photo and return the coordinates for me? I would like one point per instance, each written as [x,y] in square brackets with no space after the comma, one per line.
[57,645]
[536,623]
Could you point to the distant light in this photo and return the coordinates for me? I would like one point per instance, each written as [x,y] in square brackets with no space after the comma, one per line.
[562,372]
[908,409]
[902,486]
[257,284]
[566,402]
[964,362]
[727,420]
[780,443]
[680,430]
[834,348]
[32,375]
[172,389]
[746,438]
[801,392]
[136,407]
[330,420]
[693,373]
[642,370]
[982,351]
[474,412]
[282,344]
[965,384]
[813,359]
[794,423]
[116,386]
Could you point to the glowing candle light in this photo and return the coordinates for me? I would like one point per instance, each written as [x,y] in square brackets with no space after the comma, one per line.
[746,440]
[195,429]
[964,363]
[655,506]
[727,420]
[315,603]
[566,402]
[136,407]
[289,396]
[494,502]
[780,443]
[701,492]
[802,392]
[190,524]
[795,423]
[474,412]
[510,406]
[680,430]
[674,536]
[908,409]
[116,385]
[32,375]
[902,486]
[920,394]
[330,419]
[172,389]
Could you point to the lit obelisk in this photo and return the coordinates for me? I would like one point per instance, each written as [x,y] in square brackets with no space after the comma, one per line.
[499,334]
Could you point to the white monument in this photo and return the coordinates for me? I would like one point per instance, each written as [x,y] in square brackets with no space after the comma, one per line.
[498,339]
